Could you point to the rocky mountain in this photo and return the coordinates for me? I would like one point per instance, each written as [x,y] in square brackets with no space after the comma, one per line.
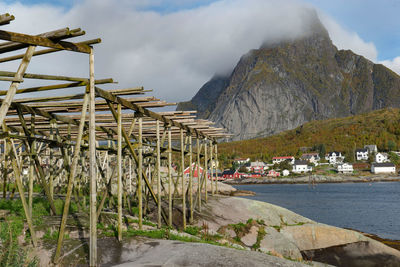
[281,86]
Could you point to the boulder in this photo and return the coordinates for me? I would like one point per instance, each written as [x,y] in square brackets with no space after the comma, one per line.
[276,243]
[250,238]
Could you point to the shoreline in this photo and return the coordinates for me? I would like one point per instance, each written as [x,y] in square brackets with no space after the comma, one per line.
[317,179]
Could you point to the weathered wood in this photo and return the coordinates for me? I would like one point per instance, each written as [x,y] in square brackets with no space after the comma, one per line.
[140,174]
[43,41]
[71,180]
[205,170]
[183,182]
[158,175]
[169,178]
[6,19]
[190,180]
[198,175]
[211,168]
[47,51]
[92,165]
[5,105]
[216,168]
[119,167]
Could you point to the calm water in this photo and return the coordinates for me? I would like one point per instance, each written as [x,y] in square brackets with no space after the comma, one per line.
[371,208]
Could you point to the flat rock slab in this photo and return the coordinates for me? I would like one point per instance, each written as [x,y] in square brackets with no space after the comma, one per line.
[277,244]
[251,237]
[148,252]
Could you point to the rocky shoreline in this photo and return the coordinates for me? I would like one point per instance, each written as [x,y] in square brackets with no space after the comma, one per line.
[315,179]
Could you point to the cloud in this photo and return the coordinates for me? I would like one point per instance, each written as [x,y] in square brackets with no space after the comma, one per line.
[173,53]
[345,39]
[393,64]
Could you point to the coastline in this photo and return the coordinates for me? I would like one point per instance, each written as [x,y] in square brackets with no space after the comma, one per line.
[315,179]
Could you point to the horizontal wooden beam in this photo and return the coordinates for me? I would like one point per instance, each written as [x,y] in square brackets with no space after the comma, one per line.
[6,19]
[43,41]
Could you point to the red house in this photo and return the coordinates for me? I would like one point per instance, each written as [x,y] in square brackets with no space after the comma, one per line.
[194,167]
[230,174]
[273,173]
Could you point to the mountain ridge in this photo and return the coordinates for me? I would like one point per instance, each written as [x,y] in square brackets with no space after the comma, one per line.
[283,85]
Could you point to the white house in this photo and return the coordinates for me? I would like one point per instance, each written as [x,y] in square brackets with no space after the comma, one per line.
[256,166]
[381,157]
[371,148]
[386,167]
[362,154]
[311,157]
[345,168]
[241,161]
[334,157]
[300,166]
[277,160]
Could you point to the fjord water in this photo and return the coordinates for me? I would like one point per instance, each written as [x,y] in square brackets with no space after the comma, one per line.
[368,207]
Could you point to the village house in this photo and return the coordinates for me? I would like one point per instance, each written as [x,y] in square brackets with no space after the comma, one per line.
[273,173]
[256,167]
[311,157]
[334,157]
[386,167]
[371,148]
[241,161]
[362,154]
[381,157]
[231,174]
[277,160]
[186,172]
[252,175]
[300,166]
[345,168]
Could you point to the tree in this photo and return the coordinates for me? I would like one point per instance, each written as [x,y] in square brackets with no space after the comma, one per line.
[391,145]
[394,158]
[371,157]
[285,165]
[322,151]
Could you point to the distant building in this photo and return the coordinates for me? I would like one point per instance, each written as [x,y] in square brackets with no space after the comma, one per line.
[381,157]
[277,160]
[285,172]
[231,174]
[256,166]
[300,166]
[334,157]
[345,168]
[371,148]
[186,172]
[311,157]
[362,154]
[273,173]
[241,161]
[386,167]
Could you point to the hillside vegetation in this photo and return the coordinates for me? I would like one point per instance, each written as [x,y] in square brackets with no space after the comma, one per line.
[380,127]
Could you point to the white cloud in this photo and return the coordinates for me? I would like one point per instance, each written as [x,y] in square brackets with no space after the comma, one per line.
[345,39]
[393,64]
[173,53]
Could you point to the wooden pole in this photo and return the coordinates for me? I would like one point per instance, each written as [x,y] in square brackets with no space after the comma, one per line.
[183,181]
[14,85]
[140,173]
[169,178]
[71,179]
[205,170]
[211,168]
[190,179]
[31,165]
[119,166]
[216,169]
[198,174]
[158,174]
[92,166]
[5,168]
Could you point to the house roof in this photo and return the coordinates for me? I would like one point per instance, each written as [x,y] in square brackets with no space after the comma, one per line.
[337,153]
[311,154]
[229,172]
[385,164]
[300,162]
[285,157]
[362,150]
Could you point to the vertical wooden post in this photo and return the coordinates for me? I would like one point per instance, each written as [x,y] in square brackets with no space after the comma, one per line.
[92,166]
[5,168]
[205,170]
[198,174]
[119,163]
[190,179]
[158,174]
[183,181]
[140,173]
[211,167]
[71,178]
[216,169]
[31,165]
[169,178]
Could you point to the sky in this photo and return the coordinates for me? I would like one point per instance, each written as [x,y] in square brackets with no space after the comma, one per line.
[174,46]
